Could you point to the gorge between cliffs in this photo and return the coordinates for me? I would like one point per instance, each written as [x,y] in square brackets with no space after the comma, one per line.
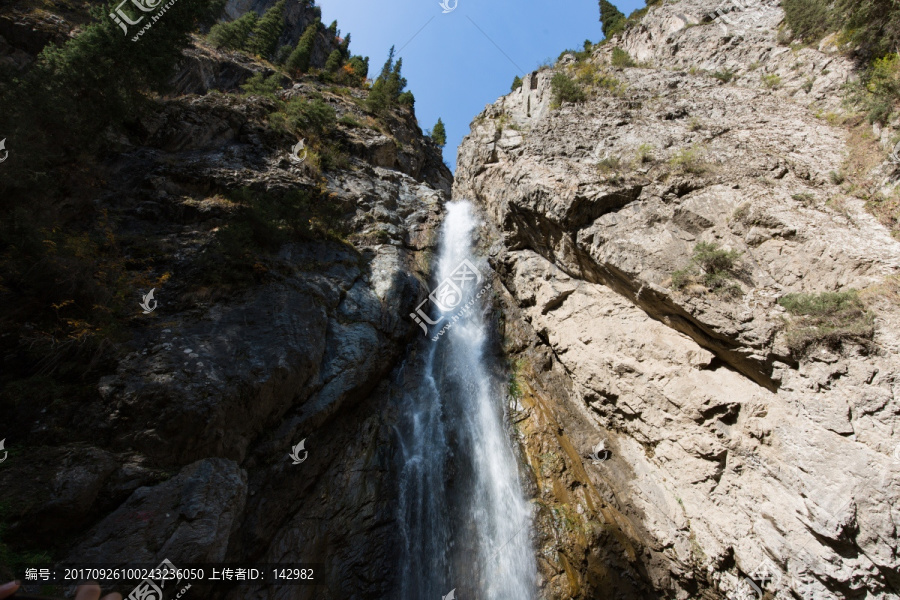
[644,343]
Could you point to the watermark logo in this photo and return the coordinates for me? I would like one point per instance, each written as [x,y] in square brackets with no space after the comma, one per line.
[448,296]
[121,18]
[894,158]
[295,452]
[752,586]
[5,453]
[5,151]
[146,303]
[450,596]
[148,589]
[600,453]
[299,151]
[445,4]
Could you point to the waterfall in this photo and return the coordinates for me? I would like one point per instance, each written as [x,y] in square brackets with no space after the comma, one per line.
[465,523]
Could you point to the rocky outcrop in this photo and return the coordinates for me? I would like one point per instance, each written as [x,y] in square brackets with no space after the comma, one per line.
[732,455]
[183,450]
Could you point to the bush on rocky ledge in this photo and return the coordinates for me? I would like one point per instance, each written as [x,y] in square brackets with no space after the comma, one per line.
[828,318]
[712,267]
[565,90]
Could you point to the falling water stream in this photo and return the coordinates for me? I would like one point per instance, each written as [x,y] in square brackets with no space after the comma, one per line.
[465,522]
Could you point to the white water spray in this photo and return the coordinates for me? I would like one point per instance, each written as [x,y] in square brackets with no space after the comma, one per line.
[466,524]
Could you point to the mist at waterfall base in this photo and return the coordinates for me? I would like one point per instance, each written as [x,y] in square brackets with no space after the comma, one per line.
[465,523]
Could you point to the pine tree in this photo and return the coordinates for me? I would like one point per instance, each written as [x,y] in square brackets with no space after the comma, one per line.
[613,20]
[396,83]
[333,29]
[267,31]
[335,61]
[516,84]
[298,61]
[386,69]
[345,47]
[233,35]
[387,91]
[439,133]
[379,98]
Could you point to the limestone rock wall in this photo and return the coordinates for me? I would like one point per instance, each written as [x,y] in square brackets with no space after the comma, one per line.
[732,457]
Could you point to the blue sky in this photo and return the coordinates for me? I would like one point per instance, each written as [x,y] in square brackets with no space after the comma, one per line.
[453,68]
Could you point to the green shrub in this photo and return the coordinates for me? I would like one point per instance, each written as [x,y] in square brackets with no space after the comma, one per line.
[360,66]
[233,35]
[516,84]
[349,121]
[879,89]
[609,164]
[741,213]
[304,117]
[681,278]
[828,318]
[712,259]
[773,82]
[808,20]
[724,75]
[260,85]
[580,55]
[713,267]
[804,198]
[645,153]
[872,26]
[406,99]
[689,160]
[620,58]
[565,90]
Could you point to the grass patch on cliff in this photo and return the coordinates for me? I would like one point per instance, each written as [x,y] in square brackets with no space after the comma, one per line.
[828,318]
[621,59]
[591,76]
[690,160]
[725,75]
[886,209]
[712,268]
[565,89]
[514,385]
[772,81]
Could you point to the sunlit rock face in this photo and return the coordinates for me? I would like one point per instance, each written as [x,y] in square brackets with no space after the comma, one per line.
[736,462]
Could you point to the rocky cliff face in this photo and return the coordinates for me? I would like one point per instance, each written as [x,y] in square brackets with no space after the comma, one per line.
[740,459]
[181,451]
